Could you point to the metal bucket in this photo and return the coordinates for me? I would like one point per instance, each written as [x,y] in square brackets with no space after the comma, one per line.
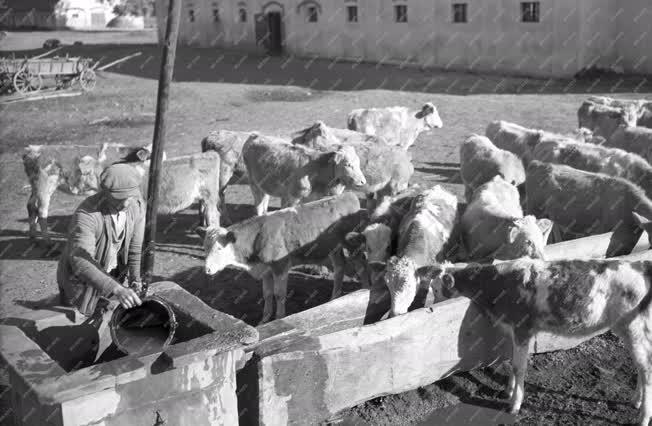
[145,329]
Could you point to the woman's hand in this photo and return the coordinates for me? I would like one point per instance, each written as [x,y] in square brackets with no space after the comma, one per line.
[127,297]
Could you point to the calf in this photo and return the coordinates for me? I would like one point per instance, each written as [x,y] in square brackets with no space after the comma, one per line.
[598,159]
[424,238]
[481,160]
[522,141]
[566,298]
[584,203]
[228,144]
[398,125]
[643,107]
[378,239]
[493,226]
[188,179]
[72,168]
[637,140]
[267,246]
[387,169]
[295,172]
[603,120]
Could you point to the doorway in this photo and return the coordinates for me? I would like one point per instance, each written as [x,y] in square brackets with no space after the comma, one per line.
[274,30]
[269,32]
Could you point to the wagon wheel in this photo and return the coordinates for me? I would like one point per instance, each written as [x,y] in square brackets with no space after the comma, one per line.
[25,82]
[87,79]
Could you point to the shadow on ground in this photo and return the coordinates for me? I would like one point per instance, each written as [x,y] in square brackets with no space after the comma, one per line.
[218,65]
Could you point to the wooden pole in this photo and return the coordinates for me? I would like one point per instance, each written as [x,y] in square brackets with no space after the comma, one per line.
[167,69]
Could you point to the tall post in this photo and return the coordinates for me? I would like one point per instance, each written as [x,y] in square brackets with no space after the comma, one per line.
[167,69]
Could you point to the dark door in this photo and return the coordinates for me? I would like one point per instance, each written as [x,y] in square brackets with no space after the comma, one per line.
[274,32]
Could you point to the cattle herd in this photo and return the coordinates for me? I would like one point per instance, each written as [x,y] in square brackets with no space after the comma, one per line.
[522,186]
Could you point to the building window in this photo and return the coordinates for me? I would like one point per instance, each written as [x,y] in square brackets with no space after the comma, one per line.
[191,15]
[530,11]
[312,14]
[459,12]
[400,13]
[352,14]
[242,14]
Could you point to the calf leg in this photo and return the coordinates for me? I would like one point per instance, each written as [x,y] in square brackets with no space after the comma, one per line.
[281,287]
[32,214]
[211,212]
[268,296]
[337,260]
[261,200]
[520,349]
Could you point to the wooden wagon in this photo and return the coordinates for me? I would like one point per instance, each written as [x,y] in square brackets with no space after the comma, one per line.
[27,75]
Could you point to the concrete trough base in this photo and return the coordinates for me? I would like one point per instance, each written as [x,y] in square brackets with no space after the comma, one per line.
[192,382]
[309,366]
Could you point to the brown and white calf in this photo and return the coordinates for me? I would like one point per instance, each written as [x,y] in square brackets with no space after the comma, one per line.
[386,168]
[188,179]
[565,297]
[397,125]
[377,241]
[481,160]
[268,246]
[493,226]
[424,238]
[598,159]
[584,203]
[73,168]
[295,172]
[228,144]
[603,120]
[637,140]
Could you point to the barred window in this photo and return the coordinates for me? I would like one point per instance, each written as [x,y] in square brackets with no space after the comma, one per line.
[530,11]
[352,13]
[400,13]
[459,12]
[312,14]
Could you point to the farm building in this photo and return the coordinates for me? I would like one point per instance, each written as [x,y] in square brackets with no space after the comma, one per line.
[540,38]
[51,14]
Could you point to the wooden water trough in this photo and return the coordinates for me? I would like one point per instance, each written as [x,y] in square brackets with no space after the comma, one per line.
[309,366]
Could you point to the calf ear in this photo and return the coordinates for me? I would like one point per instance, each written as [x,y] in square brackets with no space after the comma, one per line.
[545,225]
[448,282]
[642,221]
[143,154]
[201,231]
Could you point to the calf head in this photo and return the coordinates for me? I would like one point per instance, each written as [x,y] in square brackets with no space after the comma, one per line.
[401,280]
[645,223]
[526,237]
[219,247]
[84,178]
[430,116]
[370,245]
[346,167]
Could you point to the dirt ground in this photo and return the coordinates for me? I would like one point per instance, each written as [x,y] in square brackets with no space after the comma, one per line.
[218,89]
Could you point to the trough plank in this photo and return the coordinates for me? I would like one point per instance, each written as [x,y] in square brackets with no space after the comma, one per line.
[594,246]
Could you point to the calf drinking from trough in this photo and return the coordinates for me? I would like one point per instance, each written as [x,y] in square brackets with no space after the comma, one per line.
[397,125]
[567,298]
[584,203]
[493,225]
[294,172]
[267,246]
[424,238]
